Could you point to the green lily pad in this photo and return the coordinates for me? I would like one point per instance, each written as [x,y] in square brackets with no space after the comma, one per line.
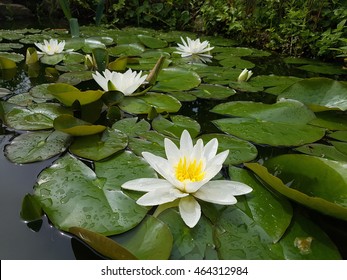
[307,185]
[144,103]
[72,195]
[339,135]
[340,146]
[332,120]
[41,91]
[324,68]
[33,117]
[235,61]
[102,244]
[271,133]
[150,240]
[284,111]
[320,94]
[175,127]
[131,126]
[37,146]
[273,84]
[15,57]
[76,77]
[260,202]
[126,49]
[207,91]
[323,151]
[76,127]
[68,94]
[175,79]
[281,124]
[52,59]
[239,150]
[97,147]
[189,244]
[151,42]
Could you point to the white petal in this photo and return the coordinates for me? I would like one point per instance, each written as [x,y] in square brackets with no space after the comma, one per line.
[186,143]
[162,166]
[210,149]
[222,191]
[146,184]
[101,80]
[160,196]
[218,159]
[172,152]
[197,151]
[190,210]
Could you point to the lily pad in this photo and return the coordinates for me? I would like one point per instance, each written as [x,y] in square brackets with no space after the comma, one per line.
[189,244]
[150,240]
[143,104]
[175,127]
[151,42]
[323,151]
[175,79]
[76,127]
[273,84]
[271,133]
[207,91]
[72,195]
[239,150]
[281,124]
[126,49]
[99,146]
[37,146]
[261,202]
[320,94]
[307,185]
[33,117]
[131,126]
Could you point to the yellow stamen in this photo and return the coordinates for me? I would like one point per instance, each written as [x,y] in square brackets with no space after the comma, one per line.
[189,170]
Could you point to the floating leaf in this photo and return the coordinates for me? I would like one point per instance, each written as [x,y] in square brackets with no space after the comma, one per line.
[151,42]
[144,103]
[98,147]
[207,91]
[239,150]
[150,240]
[173,79]
[273,84]
[261,202]
[320,94]
[175,127]
[33,117]
[308,186]
[189,243]
[131,126]
[37,146]
[72,195]
[75,126]
[323,151]
[31,209]
[102,244]
[126,49]
[68,94]
[52,59]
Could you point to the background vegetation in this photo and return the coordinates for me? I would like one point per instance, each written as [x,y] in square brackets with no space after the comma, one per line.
[312,28]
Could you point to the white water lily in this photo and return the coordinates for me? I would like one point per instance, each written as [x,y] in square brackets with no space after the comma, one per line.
[195,49]
[51,47]
[186,176]
[245,75]
[126,82]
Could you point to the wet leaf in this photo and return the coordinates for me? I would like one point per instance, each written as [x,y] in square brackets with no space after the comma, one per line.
[102,244]
[31,209]
[75,126]
[150,240]
[99,146]
[175,127]
[307,186]
[73,195]
[37,146]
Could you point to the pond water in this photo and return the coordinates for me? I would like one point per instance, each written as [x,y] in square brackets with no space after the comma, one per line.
[41,240]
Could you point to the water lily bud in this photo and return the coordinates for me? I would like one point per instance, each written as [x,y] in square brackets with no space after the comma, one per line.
[245,75]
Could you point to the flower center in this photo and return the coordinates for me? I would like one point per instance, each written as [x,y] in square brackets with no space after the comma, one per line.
[189,170]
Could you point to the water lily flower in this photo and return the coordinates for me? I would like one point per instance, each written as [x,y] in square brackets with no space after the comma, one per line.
[195,49]
[126,82]
[186,178]
[245,75]
[51,47]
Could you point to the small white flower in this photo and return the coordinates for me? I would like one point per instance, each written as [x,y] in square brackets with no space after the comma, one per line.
[195,49]
[245,75]
[186,176]
[51,47]
[126,82]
